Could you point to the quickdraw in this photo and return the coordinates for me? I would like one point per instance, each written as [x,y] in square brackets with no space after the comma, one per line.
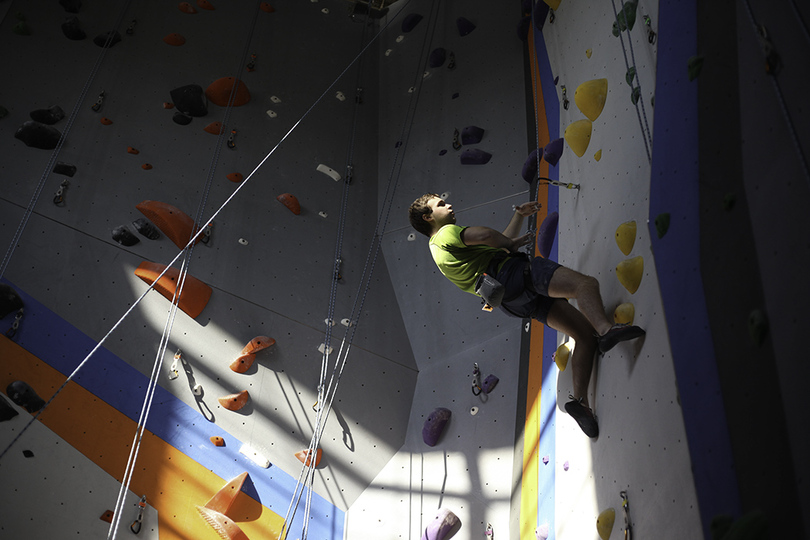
[650,33]
[251,66]
[173,372]
[100,101]
[565,98]
[11,332]
[349,173]
[232,139]
[135,527]
[456,142]
[59,198]
[476,380]
[628,531]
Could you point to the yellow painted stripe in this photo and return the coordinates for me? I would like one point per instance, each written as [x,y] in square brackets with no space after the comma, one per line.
[173,483]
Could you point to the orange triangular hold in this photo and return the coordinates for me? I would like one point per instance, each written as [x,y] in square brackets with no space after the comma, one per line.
[131,150]
[224,526]
[214,128]
[290,202]
[234,402]
[266,7]
[235,177]
[185,7]
[304,457]
[257,344]
[195,293]
[175,224]
[106,121]
[243,363]
[220,91]
[223,500]
[174,39]
[107,516]
[205,4]
[216,440]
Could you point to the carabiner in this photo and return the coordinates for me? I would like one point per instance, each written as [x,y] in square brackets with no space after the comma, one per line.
[476,380]
[135,527]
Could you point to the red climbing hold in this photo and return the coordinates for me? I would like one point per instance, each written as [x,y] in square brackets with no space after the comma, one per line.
[205,4]
[216,440]
[235,177]
[106,121]
[146,166]
[168,105]
[304,456]
[133,151]
[290,202]
[175,224]
[195,294]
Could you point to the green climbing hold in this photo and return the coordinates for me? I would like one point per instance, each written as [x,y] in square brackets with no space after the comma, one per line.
[635,95]
[630,75]
[19,15]
[626,18]
[652,101]
[662,224]
[22,29]
[694,66]
[757,326]
[729,201]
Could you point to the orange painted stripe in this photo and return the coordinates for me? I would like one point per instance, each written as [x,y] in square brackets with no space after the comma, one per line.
[173,483]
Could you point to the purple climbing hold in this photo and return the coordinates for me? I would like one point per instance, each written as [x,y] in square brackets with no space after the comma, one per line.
[442,152]
[547,234]
[474,156]
[72,29]
[437,57]
[553,151]
[37,135]
[471,135]
[556,80]
[489,384]
[545,460]
[464,26]
[434,425]
[530,166]
[443,526]
[48,116]
[410,22]
[24,396]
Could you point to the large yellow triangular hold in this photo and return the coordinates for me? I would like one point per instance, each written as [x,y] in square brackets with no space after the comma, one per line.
[553,4]
[578,136]
[604,523]
[590,97]
[629,273]
[626,236]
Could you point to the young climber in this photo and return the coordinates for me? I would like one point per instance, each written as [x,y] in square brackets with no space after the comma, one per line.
[533,287]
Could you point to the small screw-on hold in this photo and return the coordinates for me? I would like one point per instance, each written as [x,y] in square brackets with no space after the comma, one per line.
[411,237]
[325,11]
[329,322]
[243,241]
[275,99]
[400,38]
[473,410]
[271,114]
[388,52]
[198,390]
[322,214]
[340,96]
[527,327]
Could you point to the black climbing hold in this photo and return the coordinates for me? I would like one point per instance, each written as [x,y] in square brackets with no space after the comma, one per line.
[471,135]
[410,22]
[7,412]
[28,453]
[662,224]
[475,156]
[65,169]
[190,99]
[182,119]
[122,235]
[454,96]
[437,57]
[108,39]
[694,65]
[72,29]
[143,226]
[22,29]
[729,201]
[442,152]
[48,116]
[71,6]
[10,301]
[37,135]
[24,396]
[757,326]
[3,112]
[464,26]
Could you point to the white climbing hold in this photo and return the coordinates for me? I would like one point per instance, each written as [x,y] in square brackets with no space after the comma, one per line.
[173,373]
[445,195]
[388,52]
[340,95]
[411,237]
[322,214]
[275,99]
[254,456]
[527,327]
[329,322]
[411,89]
[425,75]
[400,38]
[271,114]
[346,322]
[473,410]
[325,11]
[329,171]
[243,241]
[197,390]
[322,349]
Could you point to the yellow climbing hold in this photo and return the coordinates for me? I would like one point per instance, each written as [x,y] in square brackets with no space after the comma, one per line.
[604,523]
[598,155]
[553,4]
[626,236]
[590,97]
[624,313]
[629,273]
[578,136]
[561,356]
[588,52]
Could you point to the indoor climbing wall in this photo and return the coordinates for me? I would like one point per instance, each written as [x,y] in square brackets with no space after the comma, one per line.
[127,113]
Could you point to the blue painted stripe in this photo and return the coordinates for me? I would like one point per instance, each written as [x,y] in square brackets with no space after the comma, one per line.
[62,346]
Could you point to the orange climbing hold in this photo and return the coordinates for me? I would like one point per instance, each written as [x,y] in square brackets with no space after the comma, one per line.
[216,509]
[106,121]
[234,402]
[222,524]
[219,92]
[185,7]
[290,202]
[304,457]
[133,151]
[175,39]
[195,294]
[243,363]
[168,105]
[216,440]
[266,7]
[257,344]
[235,177]
[214,128]
[175,224]
[146,166]
[107,516]
[223,500]
[205,4]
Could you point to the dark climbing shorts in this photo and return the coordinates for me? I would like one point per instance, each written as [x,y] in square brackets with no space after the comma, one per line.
[520,301]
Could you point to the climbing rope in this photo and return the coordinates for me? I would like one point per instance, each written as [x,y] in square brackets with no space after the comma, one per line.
[15,240]
[645,126]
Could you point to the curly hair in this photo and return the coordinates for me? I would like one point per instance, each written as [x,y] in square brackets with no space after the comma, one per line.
[418,209]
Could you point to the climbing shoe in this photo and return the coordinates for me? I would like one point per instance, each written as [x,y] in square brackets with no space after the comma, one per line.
[617,333]
[584,417]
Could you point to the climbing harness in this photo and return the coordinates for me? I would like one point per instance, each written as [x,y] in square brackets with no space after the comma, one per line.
[628,530]
[476,380]
[135,526]
[59,198]
[11,332]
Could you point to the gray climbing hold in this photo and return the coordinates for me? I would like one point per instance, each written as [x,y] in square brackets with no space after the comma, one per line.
[48,116]
[437,57]
[108,39]
[65,169]
[181,119]
[72,29]
[475,156]
[143,226]
[410,22]
[464,26]
[190,99]
[553,151]
[122,235]
[7,412]
[37,135]
[23,395]
[10,301]
[471,135]
[71,6]
[434,425]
